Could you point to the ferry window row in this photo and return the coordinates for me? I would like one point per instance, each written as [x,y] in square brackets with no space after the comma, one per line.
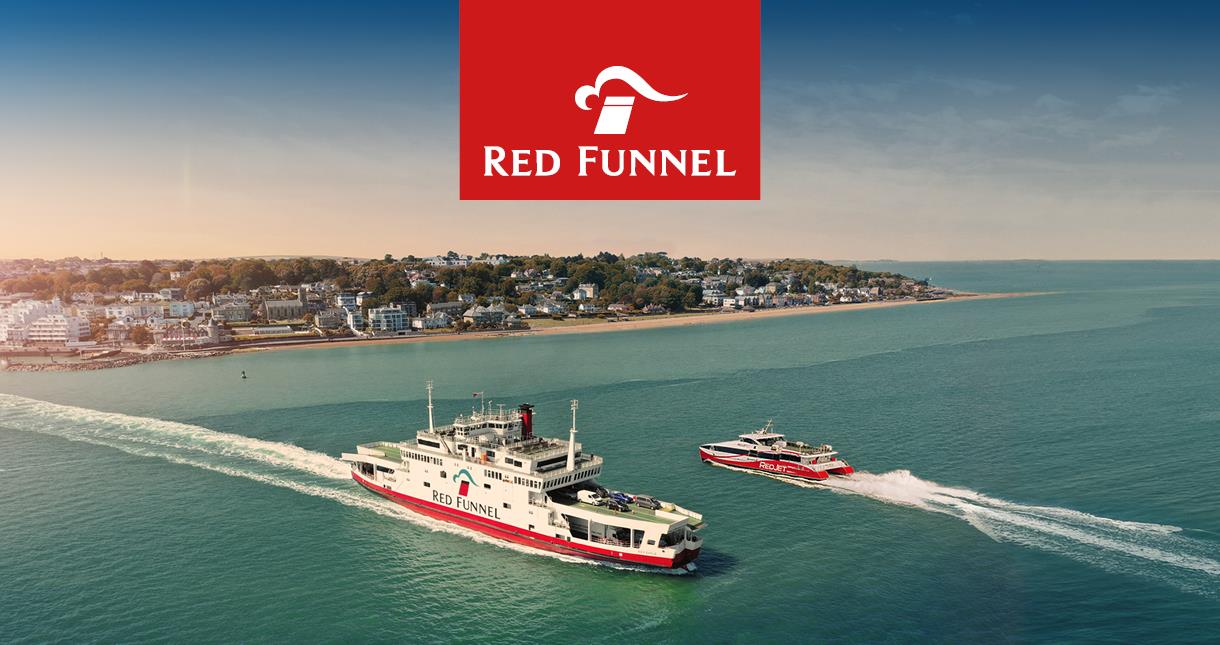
[425,458]
[521,481]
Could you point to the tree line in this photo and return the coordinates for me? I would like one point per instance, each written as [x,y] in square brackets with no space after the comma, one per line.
[620,279]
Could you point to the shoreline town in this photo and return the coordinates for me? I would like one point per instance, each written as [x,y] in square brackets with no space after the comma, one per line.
[75,314]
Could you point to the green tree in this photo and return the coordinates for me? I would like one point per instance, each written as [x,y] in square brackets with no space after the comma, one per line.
[141,336]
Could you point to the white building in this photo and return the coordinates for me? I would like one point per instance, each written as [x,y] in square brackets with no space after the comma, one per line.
[438,320]
[449,260]
[13,334]
[493,260]
[137,310]
[586,291]
[178,309]
[23,312]
[391,319]
[345,300]
[57,329]
[355,320]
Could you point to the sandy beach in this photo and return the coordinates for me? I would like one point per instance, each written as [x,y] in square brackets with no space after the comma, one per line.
[633,324]
[545,327]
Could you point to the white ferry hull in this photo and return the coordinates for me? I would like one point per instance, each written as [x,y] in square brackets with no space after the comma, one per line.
[525,537]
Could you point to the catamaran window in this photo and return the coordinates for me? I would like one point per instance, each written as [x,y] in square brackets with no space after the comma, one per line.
[750,441]
[507,505]
[430,444]
[383,469]
[443,474]
[637,536]
[366,468]
[487,486]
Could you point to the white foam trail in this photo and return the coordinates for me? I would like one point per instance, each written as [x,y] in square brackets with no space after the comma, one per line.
[292,467]
[71,422]
[1153,550]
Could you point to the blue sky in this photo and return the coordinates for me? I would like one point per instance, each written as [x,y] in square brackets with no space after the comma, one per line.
[913,131]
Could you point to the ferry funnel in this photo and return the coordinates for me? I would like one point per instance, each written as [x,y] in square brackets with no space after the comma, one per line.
[527,420]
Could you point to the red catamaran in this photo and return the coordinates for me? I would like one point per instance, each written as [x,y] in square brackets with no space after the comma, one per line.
[770,452]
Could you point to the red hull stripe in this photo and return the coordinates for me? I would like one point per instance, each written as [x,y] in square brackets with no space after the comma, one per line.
[521,536]
[753,465]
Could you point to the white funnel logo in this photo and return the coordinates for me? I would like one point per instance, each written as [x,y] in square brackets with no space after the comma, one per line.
[616,110]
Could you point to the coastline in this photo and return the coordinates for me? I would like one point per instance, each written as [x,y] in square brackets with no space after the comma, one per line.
[632,324]
[620,325]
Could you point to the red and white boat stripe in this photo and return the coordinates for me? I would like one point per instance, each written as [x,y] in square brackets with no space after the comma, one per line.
[775,467]
[522,536]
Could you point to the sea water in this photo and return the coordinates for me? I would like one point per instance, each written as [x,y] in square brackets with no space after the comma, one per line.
[1039,468]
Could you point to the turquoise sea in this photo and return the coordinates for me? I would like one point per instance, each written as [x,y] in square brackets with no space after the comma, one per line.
[1041,469]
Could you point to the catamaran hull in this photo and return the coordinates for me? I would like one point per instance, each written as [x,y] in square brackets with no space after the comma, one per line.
[521,536]
[775,467]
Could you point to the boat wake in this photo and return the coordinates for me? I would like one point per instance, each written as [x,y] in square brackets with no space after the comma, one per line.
[1156,551]
[268,462]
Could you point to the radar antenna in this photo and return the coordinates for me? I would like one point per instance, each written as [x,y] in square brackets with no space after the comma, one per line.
[572,438]
[431,428]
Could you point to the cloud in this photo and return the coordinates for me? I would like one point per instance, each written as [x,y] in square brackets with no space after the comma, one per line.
[1146,101]
[974,86]
[1133,139]
[1052,103]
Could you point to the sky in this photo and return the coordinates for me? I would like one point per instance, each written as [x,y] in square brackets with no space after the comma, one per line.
[903,130]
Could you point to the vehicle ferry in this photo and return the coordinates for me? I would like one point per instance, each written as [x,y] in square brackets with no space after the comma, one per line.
[770,452]
[487,471]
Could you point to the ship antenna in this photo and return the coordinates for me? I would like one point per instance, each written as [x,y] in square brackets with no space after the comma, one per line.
[431,428]
[572,438]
